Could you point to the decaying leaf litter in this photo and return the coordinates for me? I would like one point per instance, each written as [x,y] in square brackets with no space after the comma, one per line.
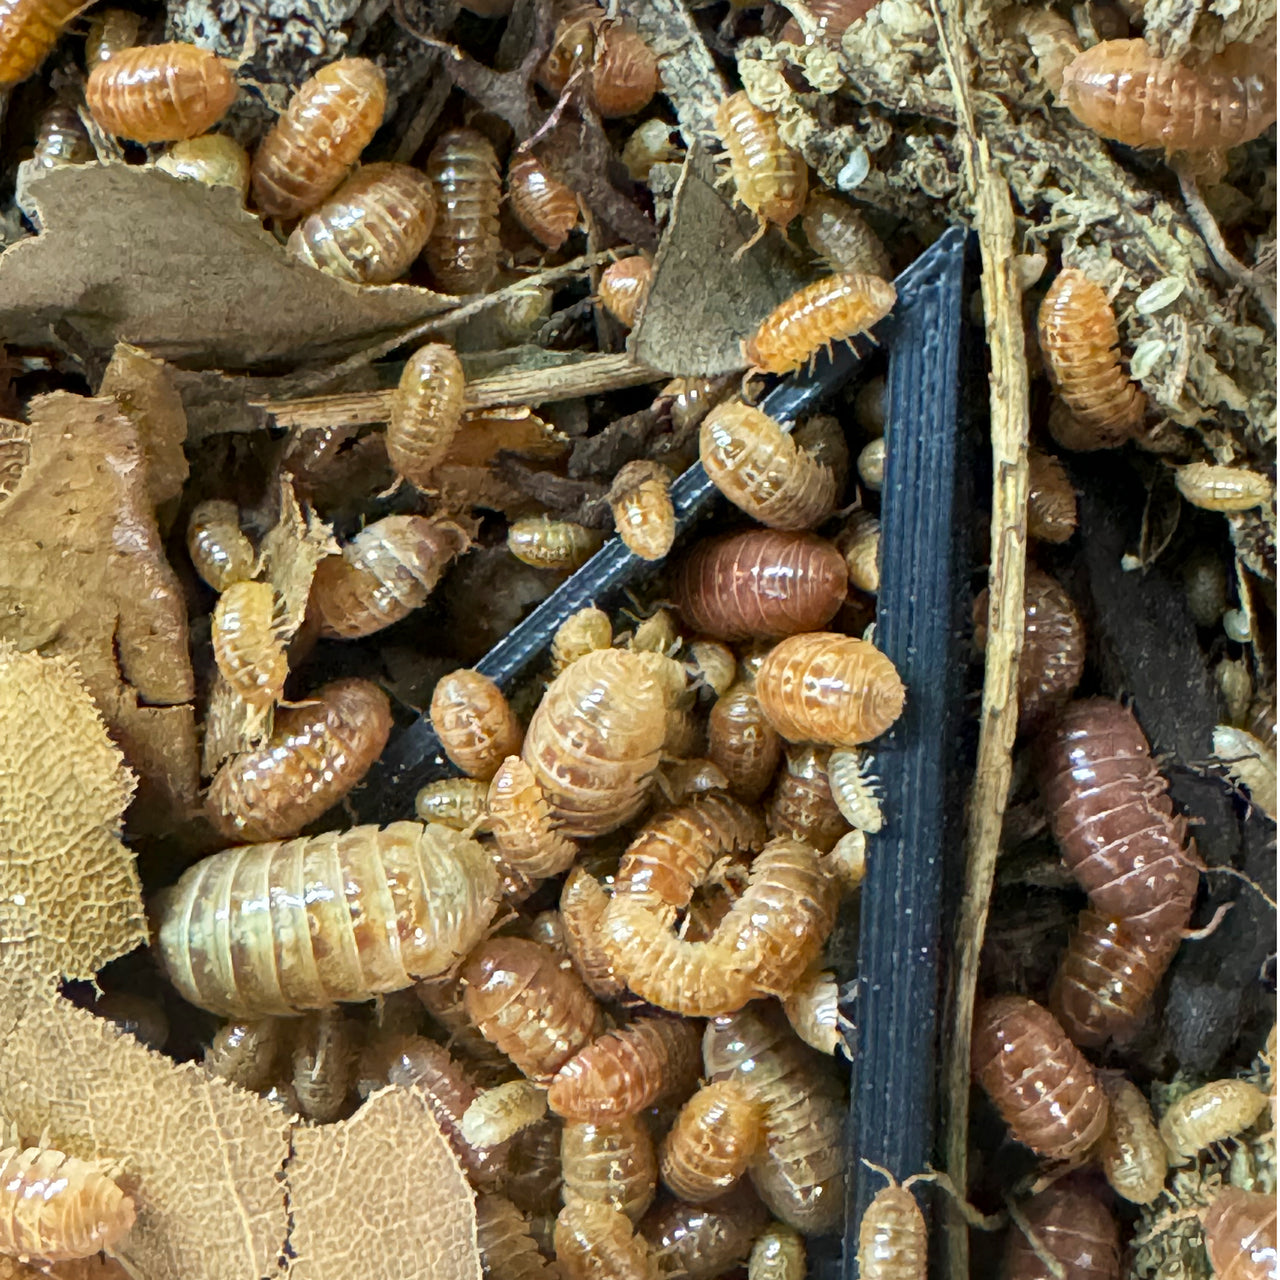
[274,369]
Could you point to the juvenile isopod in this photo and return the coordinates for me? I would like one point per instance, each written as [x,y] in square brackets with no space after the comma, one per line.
[61,138]
[1079,337]
[870,464]
[246,1052]
[304,924]
[544,543]
[583,903]
[520,819]
[314,756]
[370,230]
[771,179]
[542,204]
[1131,1151]
[761,469]
[742,742]
[711,666]
[893,1241]
[812,1007]
[839,235]
[1227,489]
[833,309]
[859,543]
[778,1254]
[624,286]
[459,803]
[246,642]
[654,142]
[855,789]
[498,1114]
[1212,1113]
[219,551]
[28,31]
[1240,1235]
[848,860]
[1040,1082]
[1250,762]
[704,1241]
[507,1250]
[612,1162]
[623,69]
[55,1207]
[1075,1229]
[802,805]
[822,436]
[474,722]
[594,1241]
[640,499]
[110,31]
[1051,499]
[462,250]
[760,583]
[1123,91]
[713,1140]
[324,1064]
[426,411]
[160,92]
[212,159]
[580,634]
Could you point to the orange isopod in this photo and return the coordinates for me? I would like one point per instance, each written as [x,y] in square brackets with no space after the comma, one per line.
[462,250]
[859,543]
[640,499]
[832,309]
[28,31]
[1240,1235]
[742,742]
[316,753]
[828,688]
[519,818]
[594,1241]
[772,180]
[328,123]
[246,642]
[1051,499]
[160,92]
[714,1138]
[507,1250]
[426,411]
[580,633]
[802,805]
[583,903]
[624,286]
[893,1241]
[212,159]
[1079,337]
[474,722]
[219,551]
[612,1162]
[542,204]
[623,69]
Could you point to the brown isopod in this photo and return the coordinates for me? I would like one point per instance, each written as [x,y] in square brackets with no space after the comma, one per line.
[583,903]
[538,1013]
[1110,812]
[533,1180]
[771,179]
[859,543]
[821,435]
[802,805]
[160,92]
[828,688]
[542,204]
[580,633]
[1240,1235]
[544,543]
[594,1241]
[778,1254]
[459,803]
[462,250]
[28,31]
[1040,1082]
[1075,1229]
[212,159]
[702,1242]
[1120,89]
[444,999]
[315,754]
[831,19]
[839,235]
[246,1052]
[624,286]
[760,583]
[1228,489]
[328,123]
[323,919]
[893,1241]
[110,31]
[55,1207]
[246,642]
[812,1007]
[61,138]
[474,722]
[370,230]
[498,1114]
[520,819]
[742,742]
[640,499]
[611,1163]
[713,1140]
[1079,337]
[626,1070]
[324,1064]
[761,469]
[507,1250]
[1212,1113]
[833,309]
[1107,977]
[1051,499]
[426,411]
[1131,1152]
[219,551]
[623,69]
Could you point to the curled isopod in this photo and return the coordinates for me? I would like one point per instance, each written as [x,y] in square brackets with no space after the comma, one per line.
[802,805]
[1227,489]
[742,742]
[246,1052]
[893,1241]
[28,31]
[761,469]
[713,1140]
[1074,1228]
[219,551]
[110,31]
[833,309]
[1079,337]
[1212,1113]
[1123,91]
[314,756]
[370,230]
[426,411]
[760,583]
[828,688]
[855,789]
[542,204]
[56,1207]
[622,68]
[341,916]
[1040,1082]
[1051,499]
[580,633]
[328,123]
[640,499]
[474,722]
[498,1114]
[459,803]
[813,1009]
[583,903]
[859,543]
[778,1254]
[61,138]
[246,642]
[701,1242]
[839,235]
[212,159]
[596,1240]
[1131,1151]
[324,1063]
[771,179]
[544,543]
[507,1250]
[462,250]
[530,846]
[1240,1235]
[624,286]
[611,1162]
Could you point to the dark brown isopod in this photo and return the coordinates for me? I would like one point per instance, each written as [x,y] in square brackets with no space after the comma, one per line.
[742,742]
[1075,1229]
[462,250]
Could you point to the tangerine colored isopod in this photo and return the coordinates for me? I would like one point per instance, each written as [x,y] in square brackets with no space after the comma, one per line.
[583,902]
[1075,1229]
[160,92]
[507,1250]
[762,470]
[246,642]
[28,31]
[474,722]
[1040,1082]
[219,551]
[1212,1113]
[772,180]
[778,1254]
[624,286]
[611,1163]
[893,1241]
[1131,1152]
[578,634]
[462,250]
[342,916]
[1079,337]
[622,68]
[839,235]
[833,309]
[1240,1235]
[713,1140]
[1051,499]
[542,204]
[640,499]
[212,159]
[559,545]
[328,123]
[802,805]
[593,1241]
[426,411]
[529,844]
[314,756]
[1228,489]
[1121,90]
[742,743]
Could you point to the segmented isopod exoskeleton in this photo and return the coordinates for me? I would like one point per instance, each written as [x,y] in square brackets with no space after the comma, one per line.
[498,1114]
[859,543]
[802,805]
[583,903]
[61,138]
[655,634]
[893,1241]
[507,1250]
[854,789]
[595,1240]
[462,250]
[544,543]
[246,642]
[1227,489]
[426,411]
[640,499]
[1079,337]
[623,1071]
[520,819]
[1109,809]
[1250,762]
[623,69]
[871,464]
[761,469]
[1131,1152]
[1123,91]
[812,1007]
[714,1138]
[324,1064]
[459,803]
[703,1241]
[110,31]
[580,633]
[533,1180]
[542,204]
[1051,499]
[801,1173]
[742,742]
[611,1163]
[1240,1235]
[1215,1111]
[474,722]
[246,1052]
[218,549]
[1074,1228]
[760,583]
[624,286]
[160,92]
[837,233]
[315,754]
[212,159]
[370,230]
[139,1016]
[28,31]
[654,142]
[55,1207]
[335,917]
[1107,977]
[833,309]
[778,1254]
[711,666]
[771,179]
[328,123]
[848,860]
[1040,1082]
[443,999]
